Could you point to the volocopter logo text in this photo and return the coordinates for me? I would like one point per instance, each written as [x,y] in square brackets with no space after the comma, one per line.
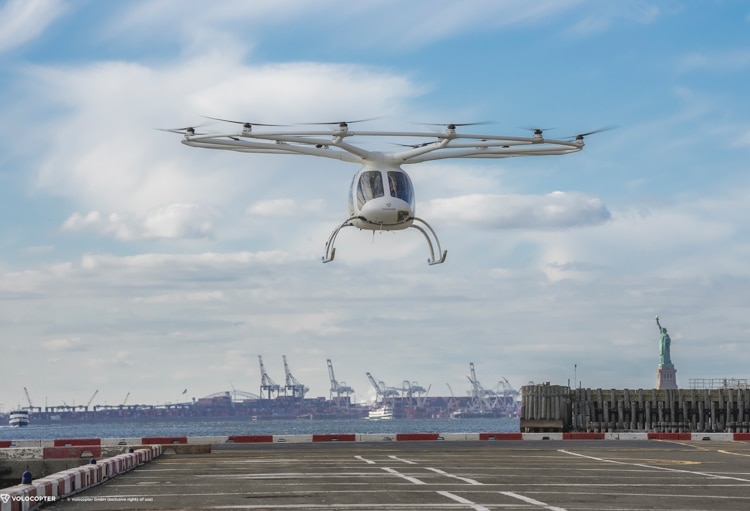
[5,498]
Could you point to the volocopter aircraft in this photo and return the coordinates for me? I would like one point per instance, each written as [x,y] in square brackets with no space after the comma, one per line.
[381,195]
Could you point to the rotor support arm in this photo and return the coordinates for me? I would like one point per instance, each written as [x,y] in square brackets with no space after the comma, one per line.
[272,148]
[502,152]
[405,156]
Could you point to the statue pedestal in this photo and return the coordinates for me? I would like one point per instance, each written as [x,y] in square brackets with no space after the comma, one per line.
[666,377]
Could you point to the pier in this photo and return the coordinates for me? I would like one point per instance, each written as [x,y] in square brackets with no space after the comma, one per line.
[550,408]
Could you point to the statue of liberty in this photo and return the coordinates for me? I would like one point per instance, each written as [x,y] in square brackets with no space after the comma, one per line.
[664,345]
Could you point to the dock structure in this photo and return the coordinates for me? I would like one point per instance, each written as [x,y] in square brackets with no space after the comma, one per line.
[547,408]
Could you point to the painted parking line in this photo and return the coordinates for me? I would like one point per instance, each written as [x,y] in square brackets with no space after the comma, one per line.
[403,460]
[461,500]
[403,476]
[722,451]
[446,474]
[654,467]
[362,458]
[531,501]
[472,505]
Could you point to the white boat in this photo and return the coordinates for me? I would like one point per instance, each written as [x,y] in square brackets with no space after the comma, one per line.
[381,413]
[19,418]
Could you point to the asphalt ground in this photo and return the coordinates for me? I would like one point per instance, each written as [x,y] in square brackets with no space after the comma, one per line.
[528,475]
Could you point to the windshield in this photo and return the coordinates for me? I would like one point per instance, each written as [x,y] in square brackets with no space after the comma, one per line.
[399,185]
[370,187]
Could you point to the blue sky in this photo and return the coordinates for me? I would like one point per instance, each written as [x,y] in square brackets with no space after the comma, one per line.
[132,263]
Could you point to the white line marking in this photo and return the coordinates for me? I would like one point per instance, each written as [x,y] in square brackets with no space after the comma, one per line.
[403,476]
[464,479]
[529,500]
[403,460]
[654,467]
[360,458]
[462,500]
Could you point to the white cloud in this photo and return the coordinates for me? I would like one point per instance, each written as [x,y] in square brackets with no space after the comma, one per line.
[556,210]
[600,16]
[178,221]
[524,293]
[175,221]
[22,21]
[198,296]
[412,26]
[285,208]
[66,344]
[113,107]
[724,61]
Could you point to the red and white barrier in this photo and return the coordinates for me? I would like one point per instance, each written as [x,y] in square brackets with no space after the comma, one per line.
[27,497]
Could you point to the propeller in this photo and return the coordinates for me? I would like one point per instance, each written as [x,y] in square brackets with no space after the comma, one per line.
[189,130]
[580,136]
[454,125]
[245,124]
[415,146]
[340,124]
[536,131]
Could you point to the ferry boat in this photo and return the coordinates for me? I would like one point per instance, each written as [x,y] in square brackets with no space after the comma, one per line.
[381,413]
[19,418]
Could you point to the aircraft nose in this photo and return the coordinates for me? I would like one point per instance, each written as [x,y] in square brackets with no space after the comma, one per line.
[386,211]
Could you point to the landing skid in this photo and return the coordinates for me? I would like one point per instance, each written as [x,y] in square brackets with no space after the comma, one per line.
[428,233]
[330,249]
[442,253]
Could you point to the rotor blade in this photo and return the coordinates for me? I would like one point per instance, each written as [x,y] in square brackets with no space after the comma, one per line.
[182,131]
[413,146]
[339,123]
[455,124]
[244,122]
[593,132]
[536,131]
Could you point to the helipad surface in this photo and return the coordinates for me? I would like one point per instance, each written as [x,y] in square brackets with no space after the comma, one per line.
[530,475]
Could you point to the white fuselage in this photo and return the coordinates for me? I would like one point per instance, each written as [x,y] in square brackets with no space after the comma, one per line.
[381,198]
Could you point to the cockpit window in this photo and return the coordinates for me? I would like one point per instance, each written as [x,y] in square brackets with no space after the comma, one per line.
[370,187]
[400,186]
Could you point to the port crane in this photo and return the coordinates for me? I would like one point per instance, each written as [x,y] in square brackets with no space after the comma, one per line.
[452,403]
[381,390]
[267,384]
[413,390]
[92,399]
[292,385]
[31,406]
[337,387]
[481,398]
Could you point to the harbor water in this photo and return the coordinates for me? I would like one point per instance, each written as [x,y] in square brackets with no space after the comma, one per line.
[203,427]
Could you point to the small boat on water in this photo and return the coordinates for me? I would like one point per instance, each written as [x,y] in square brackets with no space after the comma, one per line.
[19,418]
[381,413]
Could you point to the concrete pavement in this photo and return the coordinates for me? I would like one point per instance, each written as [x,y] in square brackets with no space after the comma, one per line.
[478,476]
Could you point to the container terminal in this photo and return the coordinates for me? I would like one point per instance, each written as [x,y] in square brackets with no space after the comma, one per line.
[409,400]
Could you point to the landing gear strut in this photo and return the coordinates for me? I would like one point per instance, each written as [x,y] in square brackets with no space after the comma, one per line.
[427,231]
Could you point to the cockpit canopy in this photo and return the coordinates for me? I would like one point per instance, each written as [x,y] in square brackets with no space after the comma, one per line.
[371,184]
